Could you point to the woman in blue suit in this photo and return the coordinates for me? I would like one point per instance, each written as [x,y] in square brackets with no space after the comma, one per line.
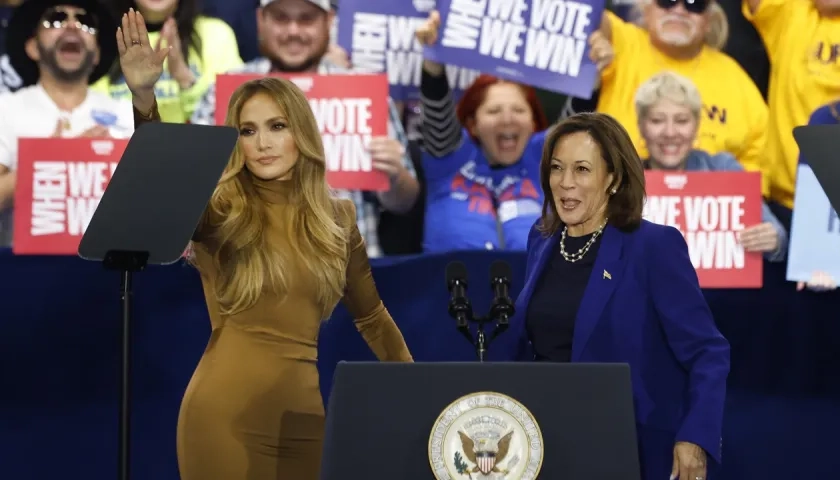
[603,285]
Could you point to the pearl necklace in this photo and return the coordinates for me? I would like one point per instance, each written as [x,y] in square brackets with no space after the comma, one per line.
[577,256]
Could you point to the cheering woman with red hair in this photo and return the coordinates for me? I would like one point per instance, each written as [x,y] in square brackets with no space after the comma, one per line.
[481,161]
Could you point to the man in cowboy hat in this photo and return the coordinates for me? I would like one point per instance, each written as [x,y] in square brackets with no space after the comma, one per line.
[58,47]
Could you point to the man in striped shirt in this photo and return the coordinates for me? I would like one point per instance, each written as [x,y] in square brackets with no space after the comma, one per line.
[294,37]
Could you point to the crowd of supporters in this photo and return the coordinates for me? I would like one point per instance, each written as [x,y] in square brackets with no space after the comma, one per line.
[700,85]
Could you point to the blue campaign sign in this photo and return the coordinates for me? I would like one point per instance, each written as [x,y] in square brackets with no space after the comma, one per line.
[815,231]
[379,37]
[543,43]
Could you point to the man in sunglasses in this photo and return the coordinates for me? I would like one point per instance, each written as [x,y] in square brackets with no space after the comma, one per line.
[686,37]
[58,47]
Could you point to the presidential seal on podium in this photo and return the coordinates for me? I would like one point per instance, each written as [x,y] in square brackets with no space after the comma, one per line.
[486,436]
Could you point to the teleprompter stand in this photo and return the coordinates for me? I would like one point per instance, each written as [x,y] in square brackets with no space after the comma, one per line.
[382,416]
[818,145]
[148,214]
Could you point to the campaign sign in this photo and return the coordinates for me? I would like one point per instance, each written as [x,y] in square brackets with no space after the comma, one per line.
[710,208]
[543,43]
[814,232]
[379,36]
[59,184]
[350,110]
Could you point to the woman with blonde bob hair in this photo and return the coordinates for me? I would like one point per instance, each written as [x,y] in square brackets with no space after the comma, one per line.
[275,253]
[669,108]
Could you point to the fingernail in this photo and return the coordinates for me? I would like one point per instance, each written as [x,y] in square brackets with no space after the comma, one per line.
[673,477]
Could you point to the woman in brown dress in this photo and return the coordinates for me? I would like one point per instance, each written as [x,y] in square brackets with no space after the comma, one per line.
[275,253]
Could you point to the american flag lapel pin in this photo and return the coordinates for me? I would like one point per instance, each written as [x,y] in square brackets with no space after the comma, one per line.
[607,275]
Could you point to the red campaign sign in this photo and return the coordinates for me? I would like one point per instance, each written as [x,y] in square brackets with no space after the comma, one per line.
[349,109]
[59,184]
[710,208]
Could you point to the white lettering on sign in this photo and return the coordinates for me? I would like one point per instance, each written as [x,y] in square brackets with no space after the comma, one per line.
[387,44]
[49,198]
[65,195]
[346,132]
[709,223]
[551,35]
[502,29]
[712,223]
[370,40]
[556,40]
[459,78]
[405,54]
[664,210]
[463,25]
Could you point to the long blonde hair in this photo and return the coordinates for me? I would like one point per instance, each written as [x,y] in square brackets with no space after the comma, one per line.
[717,35]
[247,262]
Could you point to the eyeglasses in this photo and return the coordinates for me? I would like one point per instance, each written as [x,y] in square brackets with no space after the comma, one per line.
[59,17]
[691,6]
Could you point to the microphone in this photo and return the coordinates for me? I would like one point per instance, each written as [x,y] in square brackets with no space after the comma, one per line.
[502,307]
[459,305]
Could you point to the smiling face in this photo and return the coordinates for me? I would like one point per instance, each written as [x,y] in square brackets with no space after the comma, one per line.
[669,129]
[675,26]
[294,34]
[579,180]
[266,142]
[64,46]
[503,123]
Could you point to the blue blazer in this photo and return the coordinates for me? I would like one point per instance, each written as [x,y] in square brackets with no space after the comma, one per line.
[643,306]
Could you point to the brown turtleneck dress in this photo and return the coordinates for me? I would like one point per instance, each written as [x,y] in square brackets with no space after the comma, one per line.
[253,409]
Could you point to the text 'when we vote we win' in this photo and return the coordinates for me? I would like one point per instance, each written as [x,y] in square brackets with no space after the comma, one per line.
[551,35]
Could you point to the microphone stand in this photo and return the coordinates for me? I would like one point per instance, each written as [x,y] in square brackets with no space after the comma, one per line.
[498,316]
[481,342]
[500,312]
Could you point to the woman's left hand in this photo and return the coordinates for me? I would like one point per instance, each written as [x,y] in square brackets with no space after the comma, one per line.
[387,155]
[760,238]
[689,462]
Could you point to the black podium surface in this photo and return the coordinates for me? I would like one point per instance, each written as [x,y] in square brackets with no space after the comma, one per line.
[512,421]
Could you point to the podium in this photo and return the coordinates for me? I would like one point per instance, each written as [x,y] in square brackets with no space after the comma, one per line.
[471,420]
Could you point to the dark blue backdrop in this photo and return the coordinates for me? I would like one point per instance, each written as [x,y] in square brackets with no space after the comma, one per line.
[59,360]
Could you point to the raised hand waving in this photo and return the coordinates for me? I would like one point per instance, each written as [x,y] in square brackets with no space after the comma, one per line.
[142,64]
